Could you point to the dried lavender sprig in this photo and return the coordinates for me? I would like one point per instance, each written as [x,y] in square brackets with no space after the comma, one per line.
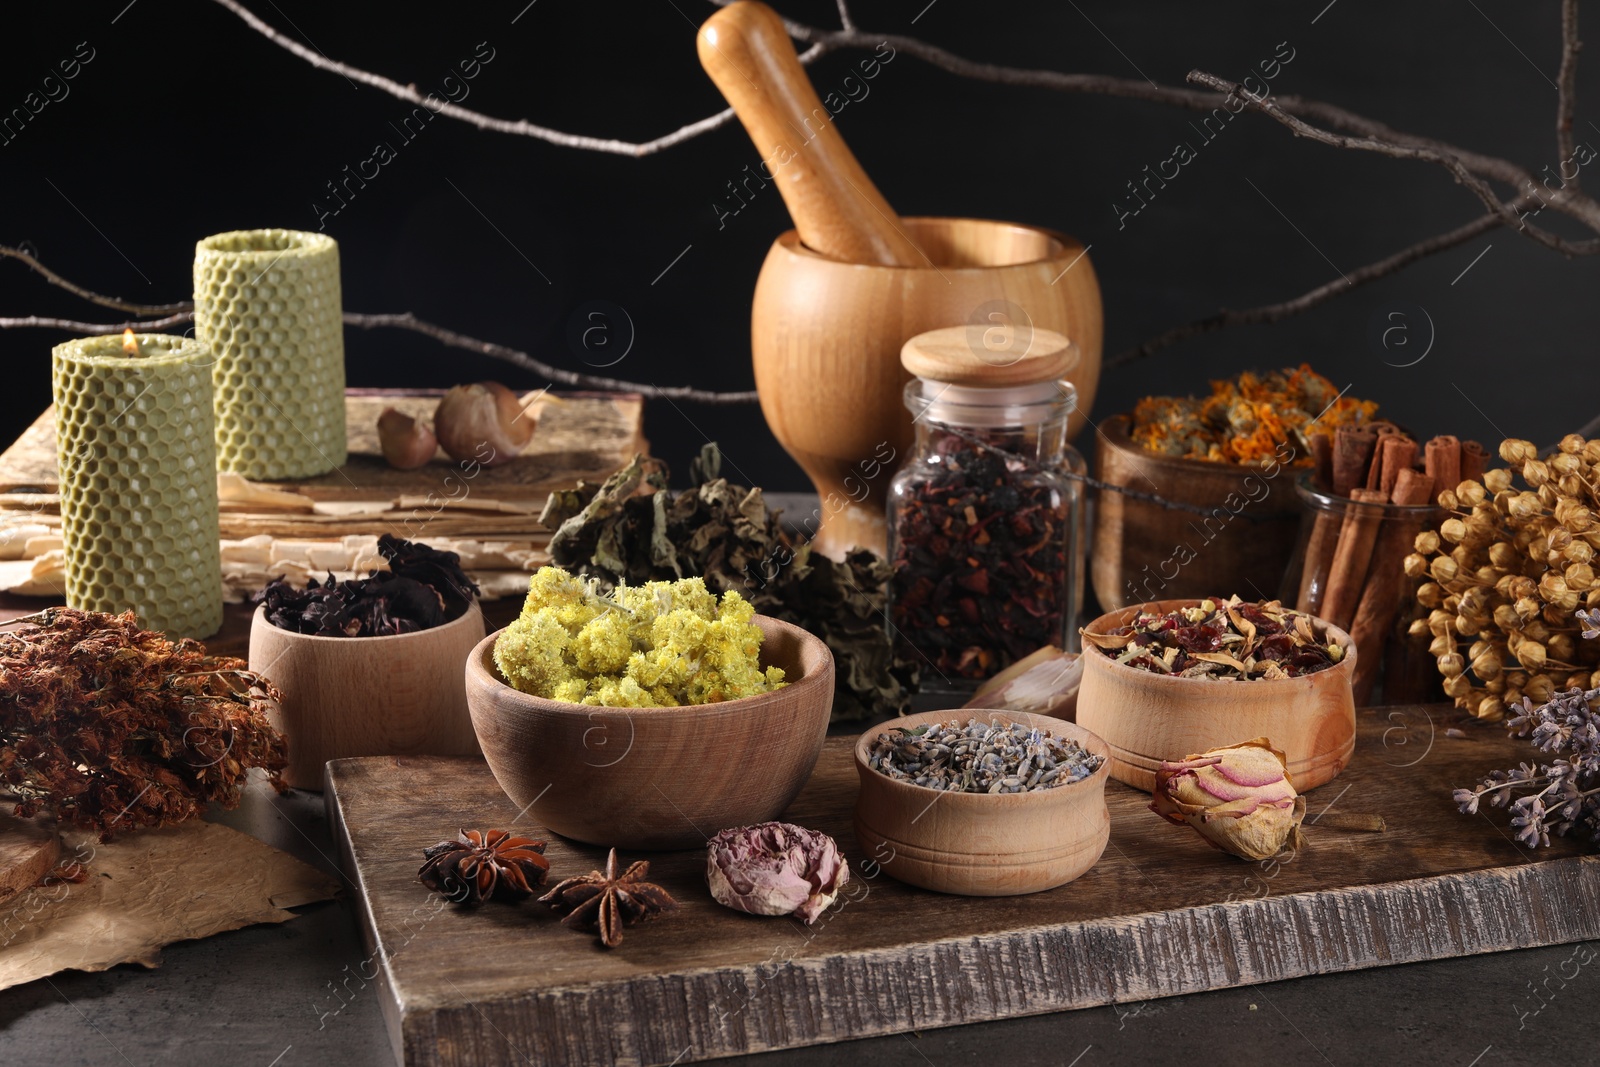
[1556,797]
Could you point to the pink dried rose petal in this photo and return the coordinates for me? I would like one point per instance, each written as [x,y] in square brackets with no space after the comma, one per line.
[1253,822]
[775,868]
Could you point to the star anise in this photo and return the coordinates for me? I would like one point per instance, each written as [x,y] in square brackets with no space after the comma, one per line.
[606,902]
[478,865]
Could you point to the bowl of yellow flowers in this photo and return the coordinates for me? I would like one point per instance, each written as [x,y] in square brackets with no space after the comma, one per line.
[651,716]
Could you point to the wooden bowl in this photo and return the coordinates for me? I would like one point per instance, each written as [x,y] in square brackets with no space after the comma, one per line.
[657,778]
[826,337]
[367,696]
[1143,551]
[1146,717]
[978,844]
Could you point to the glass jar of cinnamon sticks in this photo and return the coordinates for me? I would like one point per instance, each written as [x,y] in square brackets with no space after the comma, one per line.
[1372,490]
[984,517]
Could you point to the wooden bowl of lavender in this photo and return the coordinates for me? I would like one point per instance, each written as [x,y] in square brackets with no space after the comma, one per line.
[982,803]
[1169,678]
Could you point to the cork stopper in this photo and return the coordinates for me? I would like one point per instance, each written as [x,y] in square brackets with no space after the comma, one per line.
[989,356]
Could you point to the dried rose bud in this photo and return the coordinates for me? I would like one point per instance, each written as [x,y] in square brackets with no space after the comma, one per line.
[775,868]
[483,422]
[1238,797]
[407,444]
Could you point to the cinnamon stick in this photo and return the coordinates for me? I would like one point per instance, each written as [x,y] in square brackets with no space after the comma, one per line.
[1442,460]
[1386,588]
[1352,452]
[1351,557]
[1322,461]
[1396,453]
[1319,558]
[1383,431]
[1474,461]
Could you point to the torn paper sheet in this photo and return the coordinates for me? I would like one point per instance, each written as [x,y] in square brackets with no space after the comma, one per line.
[148,889]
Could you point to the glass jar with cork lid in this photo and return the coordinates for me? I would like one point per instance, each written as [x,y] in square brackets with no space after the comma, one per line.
[985,517]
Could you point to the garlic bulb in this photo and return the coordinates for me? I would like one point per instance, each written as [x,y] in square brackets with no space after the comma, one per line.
[407,444]
[483,422]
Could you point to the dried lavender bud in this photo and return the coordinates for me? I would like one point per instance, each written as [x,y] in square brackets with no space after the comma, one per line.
[980,757]
[1555,797]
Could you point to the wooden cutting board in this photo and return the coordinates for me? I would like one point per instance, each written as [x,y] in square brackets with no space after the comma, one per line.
[1162,914]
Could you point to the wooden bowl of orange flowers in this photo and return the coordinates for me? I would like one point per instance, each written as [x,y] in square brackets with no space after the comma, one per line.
[1241,540]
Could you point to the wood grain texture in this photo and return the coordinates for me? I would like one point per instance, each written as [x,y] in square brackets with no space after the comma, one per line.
[367,696]
[1147,717]
[657,777]
[980,845]
[1143,551]
[29,849]
[838,211]
[826,338]
[586,435]
[1161,914]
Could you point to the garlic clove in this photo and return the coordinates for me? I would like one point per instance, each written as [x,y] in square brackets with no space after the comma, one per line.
[483,421]
[407,444]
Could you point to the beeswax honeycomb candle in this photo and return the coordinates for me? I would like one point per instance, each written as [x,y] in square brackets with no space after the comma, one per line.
[268,304]
[137,457]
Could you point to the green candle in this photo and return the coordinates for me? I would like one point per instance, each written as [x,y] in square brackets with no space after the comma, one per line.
[135,445]
[268,304]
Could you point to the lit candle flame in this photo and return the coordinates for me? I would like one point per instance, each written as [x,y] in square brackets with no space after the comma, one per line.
[130,343]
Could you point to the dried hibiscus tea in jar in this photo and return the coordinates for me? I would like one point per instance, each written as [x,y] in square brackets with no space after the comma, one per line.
[985,516]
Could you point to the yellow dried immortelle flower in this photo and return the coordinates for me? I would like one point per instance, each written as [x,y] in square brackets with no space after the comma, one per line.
[1239,798]
[661,644]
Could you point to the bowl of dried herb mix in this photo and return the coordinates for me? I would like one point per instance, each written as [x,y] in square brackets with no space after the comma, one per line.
[1171,677]
[982,802]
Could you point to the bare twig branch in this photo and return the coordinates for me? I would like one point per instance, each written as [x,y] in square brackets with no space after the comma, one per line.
[1357,132]
[405,321]
[95,328]
[516,357]
[1476,185]
[1567,85]
[1566,200]
[94,298]
[1322,293]
[520,127]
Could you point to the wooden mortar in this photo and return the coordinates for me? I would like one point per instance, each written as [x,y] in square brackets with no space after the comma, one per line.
[839,294]
[826,339]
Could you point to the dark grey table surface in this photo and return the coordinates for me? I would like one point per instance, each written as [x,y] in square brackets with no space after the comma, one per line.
[290,995]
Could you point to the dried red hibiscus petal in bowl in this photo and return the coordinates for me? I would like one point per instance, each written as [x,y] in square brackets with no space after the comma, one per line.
[1224,639]
[422,588]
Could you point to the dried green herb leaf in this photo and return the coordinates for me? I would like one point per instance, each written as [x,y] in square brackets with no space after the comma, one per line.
[727,535]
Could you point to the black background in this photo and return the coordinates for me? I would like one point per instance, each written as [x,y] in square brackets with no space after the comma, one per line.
[187,123]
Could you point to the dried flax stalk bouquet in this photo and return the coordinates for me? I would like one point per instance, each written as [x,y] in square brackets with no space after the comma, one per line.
[111,727]
[1507,573]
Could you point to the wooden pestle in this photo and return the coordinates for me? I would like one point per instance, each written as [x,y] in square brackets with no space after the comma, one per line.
[837,210]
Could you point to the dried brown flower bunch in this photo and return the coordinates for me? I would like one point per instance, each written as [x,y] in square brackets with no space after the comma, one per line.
[111,727]
[1506,574]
